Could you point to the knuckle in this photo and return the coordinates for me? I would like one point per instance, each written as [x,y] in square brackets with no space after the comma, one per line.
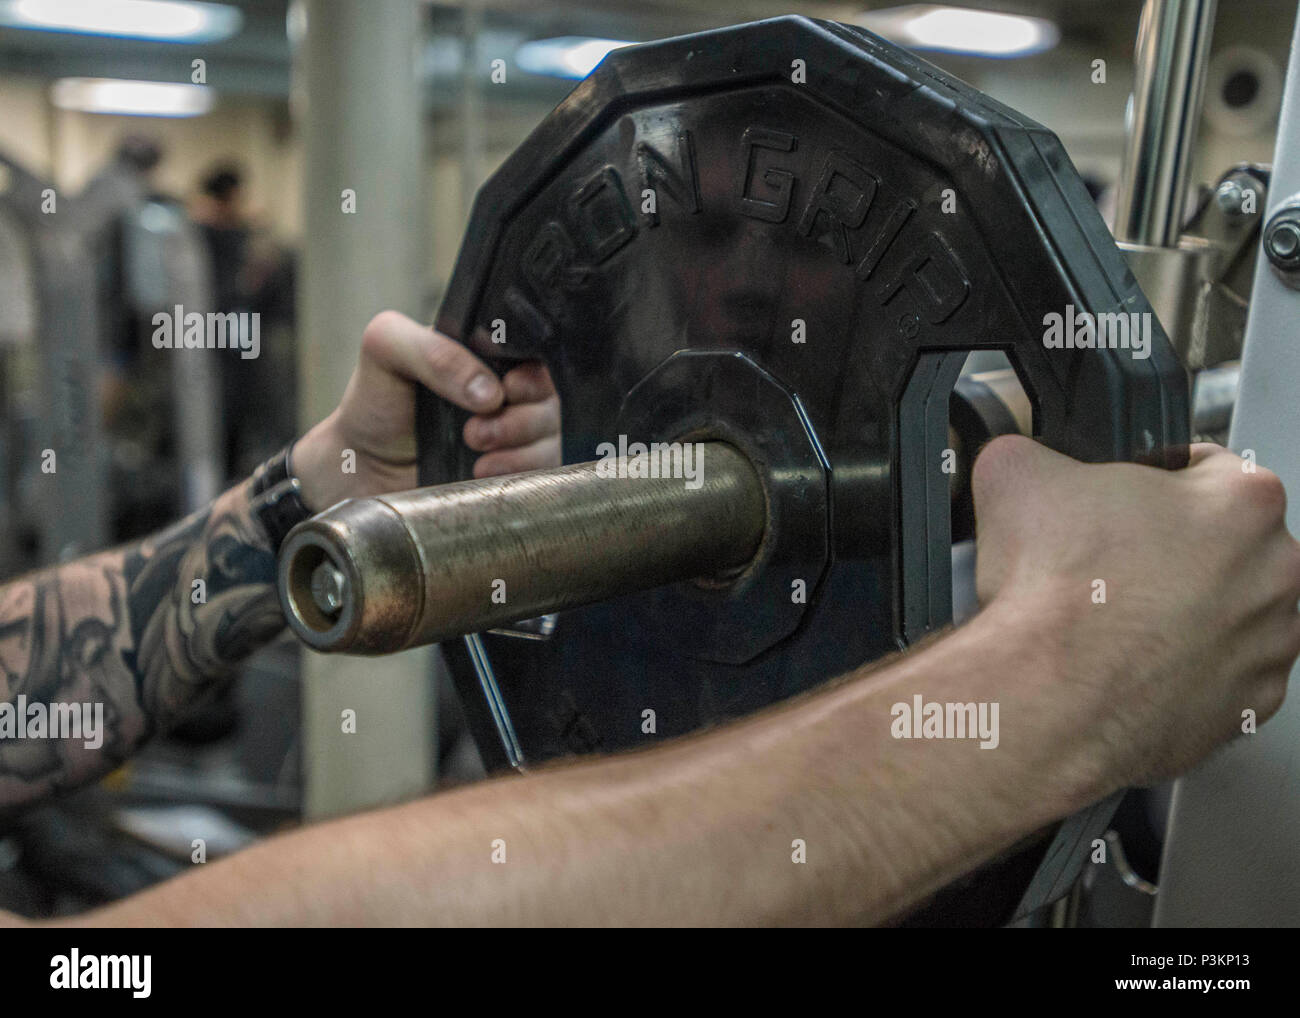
[1211,456]
[520,385]
[1262,491]
[505,429]
[519,425]
[997,459]
[477,434]
[448,358]
[514,457]
[549,415]
[376,335]
[530,382]
[513,429]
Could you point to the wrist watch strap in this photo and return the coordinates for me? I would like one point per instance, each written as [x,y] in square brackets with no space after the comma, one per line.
[277,497]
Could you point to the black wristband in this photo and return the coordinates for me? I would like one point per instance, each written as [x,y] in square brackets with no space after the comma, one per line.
[277,497]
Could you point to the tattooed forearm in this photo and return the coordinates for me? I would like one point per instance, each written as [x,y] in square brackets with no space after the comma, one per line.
[118,645]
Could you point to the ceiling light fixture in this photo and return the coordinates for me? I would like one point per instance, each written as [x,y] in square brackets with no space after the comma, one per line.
[132,98]
[570,56]
[156,20]
[962,30]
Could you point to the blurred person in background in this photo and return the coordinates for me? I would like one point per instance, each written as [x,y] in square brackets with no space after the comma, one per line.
[253,274]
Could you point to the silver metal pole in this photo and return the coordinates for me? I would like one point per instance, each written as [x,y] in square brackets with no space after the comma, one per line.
[364,250]
[1172,50]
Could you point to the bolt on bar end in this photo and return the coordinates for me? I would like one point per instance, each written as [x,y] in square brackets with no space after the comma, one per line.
[352,579]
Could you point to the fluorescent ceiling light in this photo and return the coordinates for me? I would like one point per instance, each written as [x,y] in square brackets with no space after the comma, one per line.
[132,98]
[962,30]
[570,56]
[158,20]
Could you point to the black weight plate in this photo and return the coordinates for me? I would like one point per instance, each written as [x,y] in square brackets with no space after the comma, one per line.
[779,201]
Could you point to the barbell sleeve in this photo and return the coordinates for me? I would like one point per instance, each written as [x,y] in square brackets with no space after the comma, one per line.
[377,575]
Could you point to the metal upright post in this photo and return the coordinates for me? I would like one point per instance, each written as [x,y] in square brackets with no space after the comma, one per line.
[1232,851]
[1172,52]
[358,92]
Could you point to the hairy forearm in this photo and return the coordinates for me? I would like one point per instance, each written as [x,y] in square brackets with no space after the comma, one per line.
[127,640]
[700,831]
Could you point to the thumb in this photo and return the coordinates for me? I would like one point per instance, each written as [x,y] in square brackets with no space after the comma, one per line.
[401,346]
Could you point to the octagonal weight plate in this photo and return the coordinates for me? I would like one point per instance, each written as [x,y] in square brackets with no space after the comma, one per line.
[850,219]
